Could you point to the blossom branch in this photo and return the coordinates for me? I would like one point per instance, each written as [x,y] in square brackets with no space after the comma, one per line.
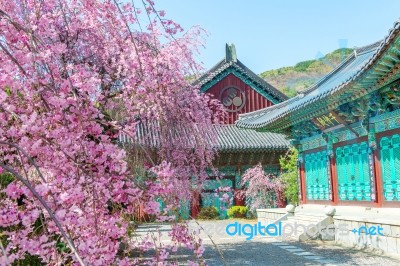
[47,208]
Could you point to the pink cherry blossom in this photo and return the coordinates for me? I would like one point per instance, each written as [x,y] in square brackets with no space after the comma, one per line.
[74,76]
[260,189]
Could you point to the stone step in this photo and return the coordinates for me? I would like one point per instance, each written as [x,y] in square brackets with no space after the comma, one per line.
[306,226]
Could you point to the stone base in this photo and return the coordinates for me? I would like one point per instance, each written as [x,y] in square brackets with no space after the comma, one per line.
[388,242]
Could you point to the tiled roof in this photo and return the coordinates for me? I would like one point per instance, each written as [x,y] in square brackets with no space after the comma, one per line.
[349,72]
[224,138]
[234,66]
[232,138]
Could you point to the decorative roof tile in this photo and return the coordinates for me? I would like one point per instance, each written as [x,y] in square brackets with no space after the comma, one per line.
[224,138]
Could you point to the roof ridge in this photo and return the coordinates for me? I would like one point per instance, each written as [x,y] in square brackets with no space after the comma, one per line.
[356,52]
[270,108]
[208,72]
[225,63]
[261,80]
[367,48]
[376,49]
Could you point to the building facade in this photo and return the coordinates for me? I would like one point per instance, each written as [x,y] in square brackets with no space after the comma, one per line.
[346,128]
[240,91]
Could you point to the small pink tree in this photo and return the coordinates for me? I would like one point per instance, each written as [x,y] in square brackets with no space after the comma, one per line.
[261,190]
[74,75]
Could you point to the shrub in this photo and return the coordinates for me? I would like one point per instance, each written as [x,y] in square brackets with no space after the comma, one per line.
[290,176]
[237,212]
[208,213]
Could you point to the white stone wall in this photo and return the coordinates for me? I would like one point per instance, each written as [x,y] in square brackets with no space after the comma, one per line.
[388,243]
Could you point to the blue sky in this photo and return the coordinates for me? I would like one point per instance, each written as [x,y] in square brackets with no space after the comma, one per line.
[271,33]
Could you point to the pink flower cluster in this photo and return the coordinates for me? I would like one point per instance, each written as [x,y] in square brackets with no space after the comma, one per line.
[260,189]
[73,75]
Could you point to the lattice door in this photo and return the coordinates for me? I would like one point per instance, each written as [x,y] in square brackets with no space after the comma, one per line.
[353,172]
[316,174]
[390,162]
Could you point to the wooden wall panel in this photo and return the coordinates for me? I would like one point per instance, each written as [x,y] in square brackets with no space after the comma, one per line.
[253,100]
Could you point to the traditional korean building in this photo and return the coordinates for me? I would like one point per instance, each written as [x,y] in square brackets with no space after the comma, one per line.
[240,91]
[346,128]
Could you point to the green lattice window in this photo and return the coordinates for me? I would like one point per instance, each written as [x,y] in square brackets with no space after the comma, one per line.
[317,177]
[390,162]
[354,181]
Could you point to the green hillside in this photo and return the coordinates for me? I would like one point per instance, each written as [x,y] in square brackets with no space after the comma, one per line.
[302,75]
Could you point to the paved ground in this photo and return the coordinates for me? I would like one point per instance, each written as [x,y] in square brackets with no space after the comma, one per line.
[263,250]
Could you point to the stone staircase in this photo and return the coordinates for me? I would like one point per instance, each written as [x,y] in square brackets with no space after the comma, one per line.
[304,226]
[301,224]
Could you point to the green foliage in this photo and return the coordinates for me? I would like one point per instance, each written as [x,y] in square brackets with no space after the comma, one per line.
[208,213]
[237,212]
[303,66]
[289,176]
[289,91]
[339,54]
[29,260]
[5,179]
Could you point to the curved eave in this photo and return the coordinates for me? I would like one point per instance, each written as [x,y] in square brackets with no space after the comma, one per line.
[248,150]
[375,73]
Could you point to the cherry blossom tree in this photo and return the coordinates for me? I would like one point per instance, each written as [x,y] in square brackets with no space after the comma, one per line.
[261,190]
[74,76]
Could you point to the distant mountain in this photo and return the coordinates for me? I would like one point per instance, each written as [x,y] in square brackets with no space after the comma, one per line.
[295,78]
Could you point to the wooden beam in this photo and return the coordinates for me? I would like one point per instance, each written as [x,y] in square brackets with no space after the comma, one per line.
[344,123]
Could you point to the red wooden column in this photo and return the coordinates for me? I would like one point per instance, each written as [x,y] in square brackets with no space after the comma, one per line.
[334,180]
[378,179]
[373,143]
[239,201]
[195,204]
[302,183]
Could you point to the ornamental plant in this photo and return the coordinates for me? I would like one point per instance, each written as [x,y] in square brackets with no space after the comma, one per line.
[76,75]
[208,213]
[261,190]
[237,212]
